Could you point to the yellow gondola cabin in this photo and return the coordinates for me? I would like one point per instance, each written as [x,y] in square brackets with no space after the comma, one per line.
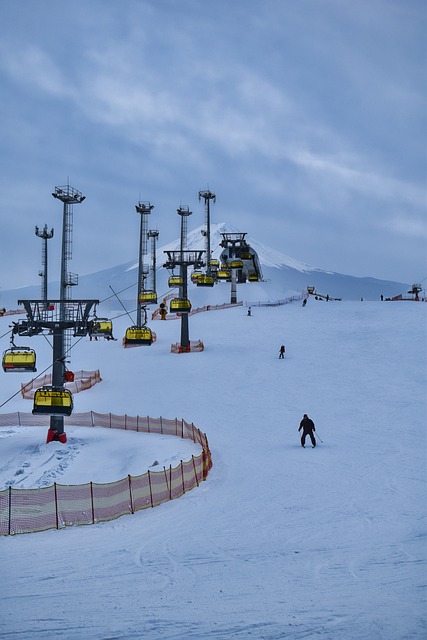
[147,297]
[53,401]
[136,336]
[19,359]
[179,305]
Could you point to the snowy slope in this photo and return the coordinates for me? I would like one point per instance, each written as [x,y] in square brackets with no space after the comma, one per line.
[279,542]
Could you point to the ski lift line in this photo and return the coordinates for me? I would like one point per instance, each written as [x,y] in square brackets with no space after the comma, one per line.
[122,304]
[5,334]
[121,291]
[19,390]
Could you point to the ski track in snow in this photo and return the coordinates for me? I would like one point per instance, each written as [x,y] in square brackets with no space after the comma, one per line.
[279,542]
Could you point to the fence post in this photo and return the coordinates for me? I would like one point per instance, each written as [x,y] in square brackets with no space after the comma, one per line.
[130,494]
[182,427]
[56,505]
[167,483]
[126,421]
[91,498]
[151,491]
[91,418]
[194,467]
[182,476]
[110,419]
[148,424]
[137,423]
[10,510]
[161,424]
[205,472]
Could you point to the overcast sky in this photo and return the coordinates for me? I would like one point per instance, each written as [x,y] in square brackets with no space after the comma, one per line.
[306,118]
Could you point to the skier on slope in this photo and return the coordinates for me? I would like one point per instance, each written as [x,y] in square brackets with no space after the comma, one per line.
[307,426]
[282,352]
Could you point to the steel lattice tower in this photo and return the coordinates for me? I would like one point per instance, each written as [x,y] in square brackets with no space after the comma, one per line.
[144,209]
[45,235]
[207,196]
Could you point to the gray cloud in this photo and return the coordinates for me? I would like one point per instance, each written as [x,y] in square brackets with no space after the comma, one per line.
[308,122]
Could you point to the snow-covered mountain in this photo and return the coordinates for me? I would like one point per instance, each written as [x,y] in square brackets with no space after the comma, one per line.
[281,273]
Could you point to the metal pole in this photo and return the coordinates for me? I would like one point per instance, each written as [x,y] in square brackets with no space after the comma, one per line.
[185,335]
[140,273]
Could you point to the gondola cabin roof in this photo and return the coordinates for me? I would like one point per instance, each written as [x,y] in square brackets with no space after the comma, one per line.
[223,274]
[236,264]
[253,277]
[19,360]
[53,401]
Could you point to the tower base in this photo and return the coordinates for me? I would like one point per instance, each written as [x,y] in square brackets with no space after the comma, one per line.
[54,436]
[195,345]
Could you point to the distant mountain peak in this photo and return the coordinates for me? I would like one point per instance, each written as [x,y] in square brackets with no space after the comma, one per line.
[267,257]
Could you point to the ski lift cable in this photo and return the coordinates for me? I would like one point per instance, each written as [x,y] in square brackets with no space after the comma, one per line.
[19,391]
[115,294]
[121,304]
[5,334]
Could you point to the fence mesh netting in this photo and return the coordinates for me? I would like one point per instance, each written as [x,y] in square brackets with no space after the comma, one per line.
[58,506]
[82,380]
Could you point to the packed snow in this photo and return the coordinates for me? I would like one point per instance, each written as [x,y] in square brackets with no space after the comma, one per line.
[279,541]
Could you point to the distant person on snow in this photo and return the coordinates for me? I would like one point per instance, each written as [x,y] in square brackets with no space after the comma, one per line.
[249,312]
[282,352]
[307,426]
[304,302]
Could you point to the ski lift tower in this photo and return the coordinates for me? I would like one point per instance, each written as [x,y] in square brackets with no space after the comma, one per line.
[207,197]
[415,290]
[233,243]
[45,235]
[183,259]
[60,316]
[153,234]
[144,209]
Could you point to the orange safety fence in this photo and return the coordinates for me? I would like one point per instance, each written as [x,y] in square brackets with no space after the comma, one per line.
[82,380]
[59,506]
[195,345]
[206,307]
[278,303]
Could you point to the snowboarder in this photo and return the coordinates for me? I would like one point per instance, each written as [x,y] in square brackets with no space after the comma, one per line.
[304,302]
[282,352]
[249,312]
[307,426]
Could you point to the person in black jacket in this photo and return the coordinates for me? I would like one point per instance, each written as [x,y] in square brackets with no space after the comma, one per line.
[307,426]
